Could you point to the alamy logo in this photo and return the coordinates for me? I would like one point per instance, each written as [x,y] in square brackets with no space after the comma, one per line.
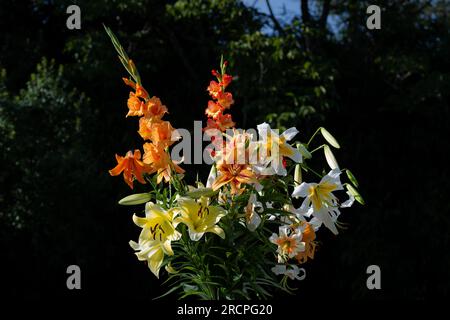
[374,20]
[374,279]
[74,20]
[74,280]
[264,148]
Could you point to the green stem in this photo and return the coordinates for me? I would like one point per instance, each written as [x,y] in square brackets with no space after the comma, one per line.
[318,148]
[195,259]
[312,137]
[308,168]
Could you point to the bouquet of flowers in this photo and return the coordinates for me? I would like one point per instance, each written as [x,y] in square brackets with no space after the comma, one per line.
[245,232]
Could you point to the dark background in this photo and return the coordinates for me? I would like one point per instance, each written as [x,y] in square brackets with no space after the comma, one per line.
[383,93]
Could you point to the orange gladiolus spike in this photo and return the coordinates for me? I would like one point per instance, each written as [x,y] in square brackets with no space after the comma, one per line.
[222,100]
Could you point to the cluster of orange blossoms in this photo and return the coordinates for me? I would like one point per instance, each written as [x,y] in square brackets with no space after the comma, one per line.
[250,185]
[152,128]
[222,100]
[229,172]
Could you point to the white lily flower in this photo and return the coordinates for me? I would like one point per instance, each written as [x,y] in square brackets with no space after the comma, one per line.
[253,220]
[275,147]
[292,272]
[319,199]
[289,243]
[212,176]
[348,203]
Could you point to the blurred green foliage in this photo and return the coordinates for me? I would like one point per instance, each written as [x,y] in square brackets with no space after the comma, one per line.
[384,94]
[40,143]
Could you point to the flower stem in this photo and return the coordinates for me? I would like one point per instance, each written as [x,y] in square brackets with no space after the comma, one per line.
[312,137]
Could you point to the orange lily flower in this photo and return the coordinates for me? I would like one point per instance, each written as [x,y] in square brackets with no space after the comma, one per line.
[308,237]
[131,166]
[235,175]
[160,161]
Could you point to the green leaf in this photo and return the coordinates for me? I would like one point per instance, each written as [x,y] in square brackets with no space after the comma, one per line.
[329,156]
[352,178]
[168,292]
[123,57]
[330,139]
[355,193]
[135,199]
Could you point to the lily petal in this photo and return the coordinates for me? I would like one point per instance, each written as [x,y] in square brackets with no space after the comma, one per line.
[302,190]
[290,133]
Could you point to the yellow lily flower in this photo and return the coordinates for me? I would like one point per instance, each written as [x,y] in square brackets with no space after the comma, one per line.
[150,251]
[156,236]
[157,224]
[199,217]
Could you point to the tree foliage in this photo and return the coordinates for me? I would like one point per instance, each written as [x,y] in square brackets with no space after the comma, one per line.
[60,124]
